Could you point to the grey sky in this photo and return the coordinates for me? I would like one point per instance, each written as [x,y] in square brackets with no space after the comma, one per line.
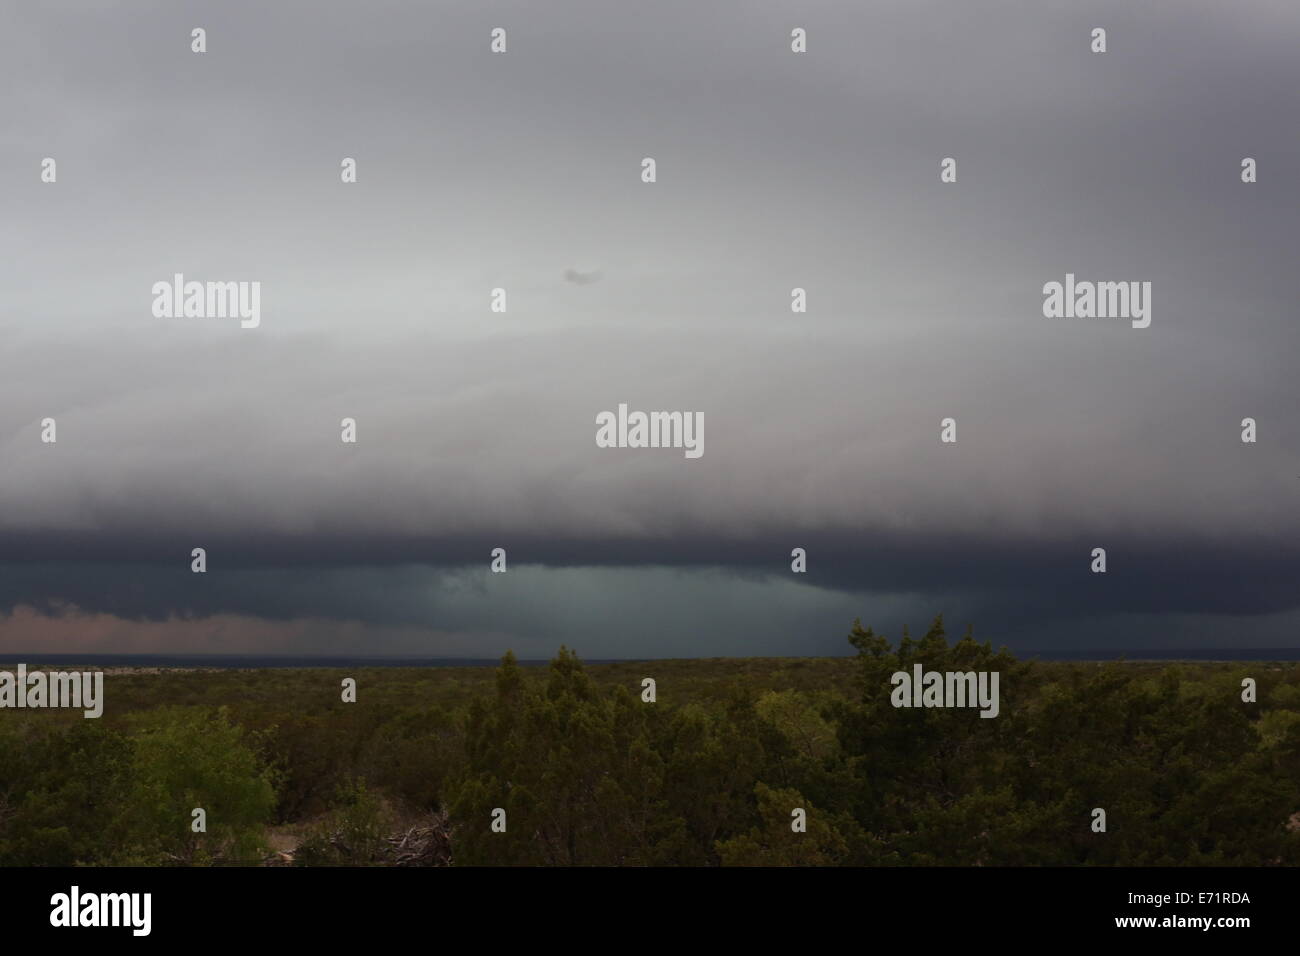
[775,170]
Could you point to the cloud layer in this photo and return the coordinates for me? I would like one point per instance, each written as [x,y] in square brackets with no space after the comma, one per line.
[476,429]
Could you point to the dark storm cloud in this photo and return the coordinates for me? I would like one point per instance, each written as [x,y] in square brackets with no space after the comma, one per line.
[476,429]
[1036,580]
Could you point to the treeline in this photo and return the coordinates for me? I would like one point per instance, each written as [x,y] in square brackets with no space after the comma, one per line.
[590,774]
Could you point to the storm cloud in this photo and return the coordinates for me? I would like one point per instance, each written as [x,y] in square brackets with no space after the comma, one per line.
[776,171]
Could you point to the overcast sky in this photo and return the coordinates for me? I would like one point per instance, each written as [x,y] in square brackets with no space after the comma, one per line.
[476,429]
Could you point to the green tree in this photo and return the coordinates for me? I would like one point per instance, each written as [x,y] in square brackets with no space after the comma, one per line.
[573,768]
[186,758]
[774,842]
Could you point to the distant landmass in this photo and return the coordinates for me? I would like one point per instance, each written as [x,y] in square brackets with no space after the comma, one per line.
[253,661]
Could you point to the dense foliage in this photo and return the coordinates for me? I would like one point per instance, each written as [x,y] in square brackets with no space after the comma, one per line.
[589,773]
